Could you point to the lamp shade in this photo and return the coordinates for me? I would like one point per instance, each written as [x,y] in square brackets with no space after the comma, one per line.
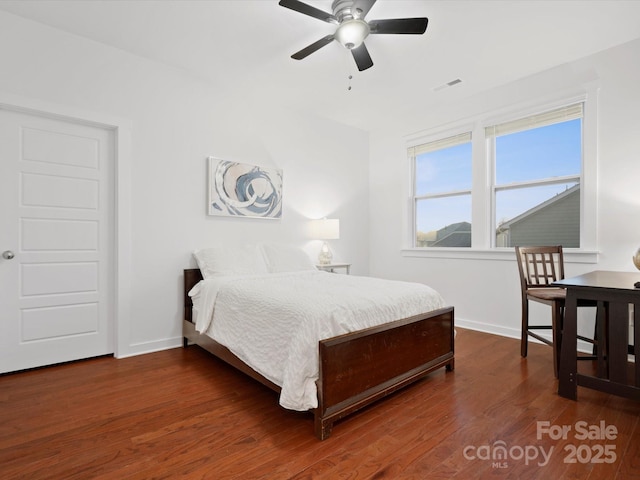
[326,229]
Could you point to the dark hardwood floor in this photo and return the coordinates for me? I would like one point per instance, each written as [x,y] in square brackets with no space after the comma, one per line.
[183,414]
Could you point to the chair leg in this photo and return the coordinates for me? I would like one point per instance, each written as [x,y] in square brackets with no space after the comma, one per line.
[524,329]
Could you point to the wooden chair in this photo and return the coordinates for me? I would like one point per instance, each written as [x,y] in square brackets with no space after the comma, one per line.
[539,267]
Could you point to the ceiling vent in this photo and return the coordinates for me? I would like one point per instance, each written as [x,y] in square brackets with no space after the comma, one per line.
[448,84]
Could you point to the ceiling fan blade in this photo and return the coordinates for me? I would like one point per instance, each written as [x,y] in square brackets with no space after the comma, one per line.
[362,7]
[399,25]
[362,57]
[308,10]
[312,48]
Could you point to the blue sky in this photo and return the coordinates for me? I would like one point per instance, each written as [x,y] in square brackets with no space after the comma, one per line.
[544,152]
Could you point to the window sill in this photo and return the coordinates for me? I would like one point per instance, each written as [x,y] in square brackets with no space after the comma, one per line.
[570,255]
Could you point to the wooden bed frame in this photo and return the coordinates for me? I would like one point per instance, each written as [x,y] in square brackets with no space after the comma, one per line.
[357,368]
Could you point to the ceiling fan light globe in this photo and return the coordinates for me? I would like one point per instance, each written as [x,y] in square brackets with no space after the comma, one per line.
[351,33]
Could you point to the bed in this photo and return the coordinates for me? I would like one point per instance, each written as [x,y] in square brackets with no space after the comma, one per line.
[353,369]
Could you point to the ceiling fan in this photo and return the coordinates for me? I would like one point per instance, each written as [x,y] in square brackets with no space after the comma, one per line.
[352,29]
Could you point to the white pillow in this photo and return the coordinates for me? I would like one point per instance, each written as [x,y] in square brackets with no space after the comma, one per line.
[286,258]
[230,260]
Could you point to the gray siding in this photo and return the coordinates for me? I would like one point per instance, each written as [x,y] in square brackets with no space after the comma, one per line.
[556,224]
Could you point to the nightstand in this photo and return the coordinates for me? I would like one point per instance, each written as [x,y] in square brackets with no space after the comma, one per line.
[331,267]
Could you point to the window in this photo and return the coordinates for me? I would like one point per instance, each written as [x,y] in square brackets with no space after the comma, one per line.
[442,192]
[537,162]
[517,181]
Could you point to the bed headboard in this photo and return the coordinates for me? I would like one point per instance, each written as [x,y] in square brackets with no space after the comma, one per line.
[191,277]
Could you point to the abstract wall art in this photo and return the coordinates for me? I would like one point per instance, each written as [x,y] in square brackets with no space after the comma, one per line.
[243,190]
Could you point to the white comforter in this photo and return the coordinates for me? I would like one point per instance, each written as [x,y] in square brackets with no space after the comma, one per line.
[273,322]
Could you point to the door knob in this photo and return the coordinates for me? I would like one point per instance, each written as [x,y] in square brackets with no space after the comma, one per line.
[8,255]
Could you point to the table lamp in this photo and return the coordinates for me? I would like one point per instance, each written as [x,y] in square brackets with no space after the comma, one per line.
[326,229]
[636,259]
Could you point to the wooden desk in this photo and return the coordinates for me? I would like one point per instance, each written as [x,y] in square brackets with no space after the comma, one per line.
[613,292]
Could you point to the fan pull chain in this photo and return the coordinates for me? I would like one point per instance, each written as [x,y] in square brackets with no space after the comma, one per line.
[349,69]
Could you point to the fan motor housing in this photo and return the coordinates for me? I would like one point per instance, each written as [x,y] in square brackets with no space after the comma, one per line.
[343,10]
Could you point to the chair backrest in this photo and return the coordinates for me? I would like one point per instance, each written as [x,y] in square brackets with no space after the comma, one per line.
[539,266]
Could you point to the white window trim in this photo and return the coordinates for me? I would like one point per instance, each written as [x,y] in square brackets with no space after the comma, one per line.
[409,224]
[571,255]
[482,185]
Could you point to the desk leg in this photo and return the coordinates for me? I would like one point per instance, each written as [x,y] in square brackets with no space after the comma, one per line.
[618,341]
[636,341]
[567,379]
[602,333]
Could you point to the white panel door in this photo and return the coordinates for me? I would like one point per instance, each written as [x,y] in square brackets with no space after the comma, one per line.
[56,241]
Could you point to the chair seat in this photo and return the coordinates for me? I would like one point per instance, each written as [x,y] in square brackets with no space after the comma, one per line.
[548,294]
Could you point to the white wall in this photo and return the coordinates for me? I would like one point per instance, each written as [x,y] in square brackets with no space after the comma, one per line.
[486,293]
[177,121]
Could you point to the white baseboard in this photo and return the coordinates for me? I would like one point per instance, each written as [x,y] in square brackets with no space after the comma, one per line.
[488,328]
[509,332]
[150,347]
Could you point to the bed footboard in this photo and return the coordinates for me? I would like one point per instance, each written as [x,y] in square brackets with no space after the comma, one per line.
[359,368]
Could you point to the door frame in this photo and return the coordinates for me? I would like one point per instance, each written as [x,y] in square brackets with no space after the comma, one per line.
[121,196]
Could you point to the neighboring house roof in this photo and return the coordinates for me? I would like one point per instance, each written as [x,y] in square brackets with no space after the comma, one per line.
[555,221]
[540,206]
[454,235]
[455,239]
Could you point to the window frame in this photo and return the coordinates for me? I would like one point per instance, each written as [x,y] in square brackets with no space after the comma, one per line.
[490,144]
[483,182]
[415,198]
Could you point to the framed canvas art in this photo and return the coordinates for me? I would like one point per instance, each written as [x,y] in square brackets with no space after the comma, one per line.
[243,190]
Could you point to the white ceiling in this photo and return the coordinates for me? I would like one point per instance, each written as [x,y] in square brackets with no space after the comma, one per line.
[246,45]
